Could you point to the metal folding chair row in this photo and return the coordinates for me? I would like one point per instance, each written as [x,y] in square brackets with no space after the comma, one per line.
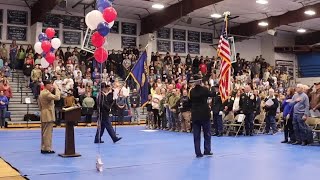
[235,125]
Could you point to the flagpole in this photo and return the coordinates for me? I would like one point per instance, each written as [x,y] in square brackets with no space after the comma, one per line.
[226,15]
[135,64]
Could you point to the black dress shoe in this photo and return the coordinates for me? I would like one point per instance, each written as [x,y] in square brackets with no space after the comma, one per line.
[118,139]
[251,134]
[215,134]
[47,152]
[303,144]
[296,143]
[98,142]
[199,155]
[291,142]
[285,141]
[208,153]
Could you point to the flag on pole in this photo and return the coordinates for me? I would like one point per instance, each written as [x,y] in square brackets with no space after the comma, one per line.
[224,52]
[139,75]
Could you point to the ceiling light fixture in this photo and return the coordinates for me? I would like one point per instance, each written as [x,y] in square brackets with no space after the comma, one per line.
[262,1]
[310,12]
[263,23]
[215,15]
[301,30]
[158,6]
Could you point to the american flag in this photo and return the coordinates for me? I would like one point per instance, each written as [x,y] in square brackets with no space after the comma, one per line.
[224,52]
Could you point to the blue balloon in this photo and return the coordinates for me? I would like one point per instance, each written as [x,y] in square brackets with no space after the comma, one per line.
[103,29]
[43,37]
[103,4]
[43,54]
[52,49]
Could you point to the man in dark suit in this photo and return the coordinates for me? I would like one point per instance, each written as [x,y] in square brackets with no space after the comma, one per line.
[217,110]
[200,114]
[105,101]
[247,107]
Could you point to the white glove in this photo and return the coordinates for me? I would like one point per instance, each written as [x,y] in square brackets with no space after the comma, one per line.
[220,113]
[288,116]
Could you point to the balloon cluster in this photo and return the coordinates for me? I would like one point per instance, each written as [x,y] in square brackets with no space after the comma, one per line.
[102,21]
[47,46]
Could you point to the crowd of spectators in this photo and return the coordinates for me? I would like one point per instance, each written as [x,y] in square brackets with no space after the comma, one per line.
[78,76]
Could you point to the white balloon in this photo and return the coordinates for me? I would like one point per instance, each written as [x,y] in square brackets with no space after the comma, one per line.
[110,24]
[44,63]
[93,18]
[55,43]
[37,47]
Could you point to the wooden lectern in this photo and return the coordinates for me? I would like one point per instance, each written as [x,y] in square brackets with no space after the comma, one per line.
[71,116]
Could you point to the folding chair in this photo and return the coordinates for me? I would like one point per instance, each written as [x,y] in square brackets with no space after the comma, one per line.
[227,119]
[260,124]
[316,130]
[312,122]
[236,124]
[279,121]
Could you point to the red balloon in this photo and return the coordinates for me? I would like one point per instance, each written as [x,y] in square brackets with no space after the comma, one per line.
[50,57]
[46,46]
[100,54]
[50,32]
[97,40]
[109,14]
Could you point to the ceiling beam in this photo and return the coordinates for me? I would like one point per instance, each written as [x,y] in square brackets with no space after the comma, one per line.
[41,8]
[308,39]
[252,28]
[172,13]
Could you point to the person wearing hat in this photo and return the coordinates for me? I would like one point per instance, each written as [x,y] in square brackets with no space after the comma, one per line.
[217,111]
[47,117]
[105,102]
[200,115]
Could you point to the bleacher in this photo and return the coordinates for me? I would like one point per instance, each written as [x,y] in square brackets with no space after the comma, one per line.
[17,108]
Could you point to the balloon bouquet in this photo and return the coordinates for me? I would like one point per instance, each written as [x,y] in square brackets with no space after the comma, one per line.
[46,46]
[101,21]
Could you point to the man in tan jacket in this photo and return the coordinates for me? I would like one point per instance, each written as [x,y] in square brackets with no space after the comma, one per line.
[46,105]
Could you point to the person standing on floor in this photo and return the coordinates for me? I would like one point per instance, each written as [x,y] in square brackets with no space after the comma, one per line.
[3,107]
[217,110]
[185,113]
[288,117]
[271,106]
[47,117]
[135,106]
[247,105]
[300,113]
[105,102]
[200,115]
[87,105]
[121,103]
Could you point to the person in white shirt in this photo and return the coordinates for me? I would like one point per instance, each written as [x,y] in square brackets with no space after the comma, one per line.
[76,72]
[236,105]
[69,82]
[126,92]
[58,82]
[266,75]
[87,80]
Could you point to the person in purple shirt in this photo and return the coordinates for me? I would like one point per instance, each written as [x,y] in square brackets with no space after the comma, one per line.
[3,107]
[287,109]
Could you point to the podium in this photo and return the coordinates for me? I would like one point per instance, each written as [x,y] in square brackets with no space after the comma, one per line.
[71,116]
